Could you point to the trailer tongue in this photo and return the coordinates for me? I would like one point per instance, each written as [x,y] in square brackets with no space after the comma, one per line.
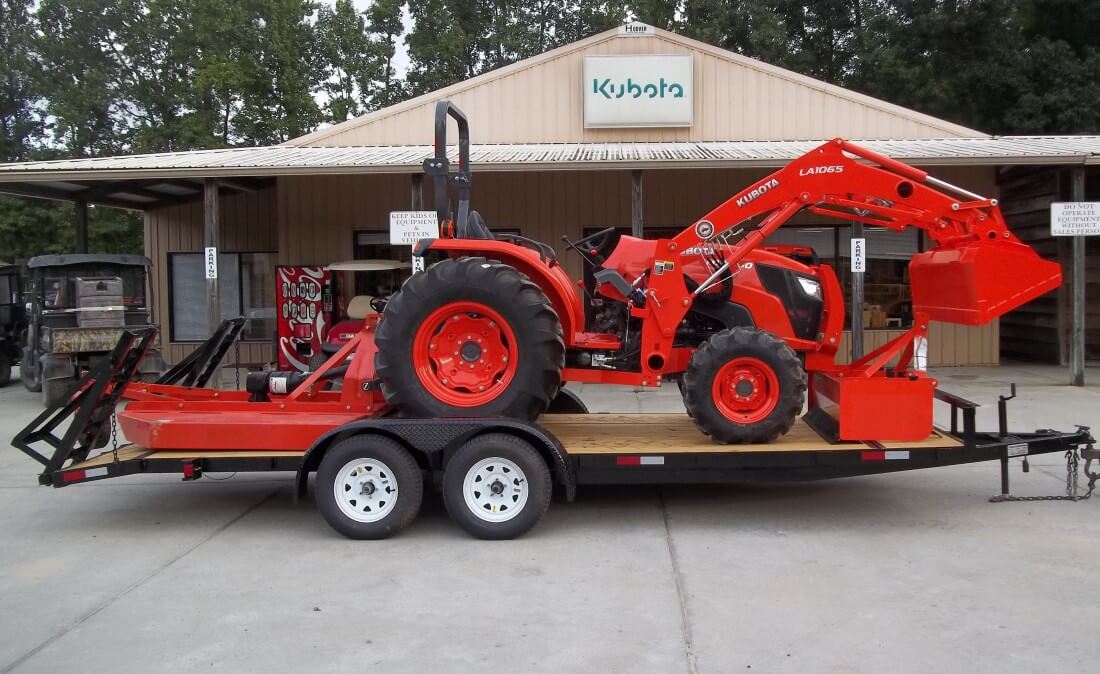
[496,474]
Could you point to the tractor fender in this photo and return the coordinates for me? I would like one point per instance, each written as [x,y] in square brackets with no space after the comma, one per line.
[552,279]
[432,441]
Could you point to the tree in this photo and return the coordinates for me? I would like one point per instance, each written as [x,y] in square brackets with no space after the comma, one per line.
[79,76]
[282,107]
[345,48]
[19,121]
[444,45]
[385,27]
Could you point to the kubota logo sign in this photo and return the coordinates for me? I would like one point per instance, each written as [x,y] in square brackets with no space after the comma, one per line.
[611,89]
[638,90]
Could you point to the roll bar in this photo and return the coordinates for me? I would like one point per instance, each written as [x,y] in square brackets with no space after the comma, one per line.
[439,168]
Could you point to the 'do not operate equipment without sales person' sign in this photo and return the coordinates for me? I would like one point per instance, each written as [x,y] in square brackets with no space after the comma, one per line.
[1075,218]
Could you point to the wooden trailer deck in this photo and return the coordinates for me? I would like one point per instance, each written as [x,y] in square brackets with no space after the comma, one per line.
[586,434]
[677,434]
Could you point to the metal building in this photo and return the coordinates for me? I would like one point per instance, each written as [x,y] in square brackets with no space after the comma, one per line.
[640,129]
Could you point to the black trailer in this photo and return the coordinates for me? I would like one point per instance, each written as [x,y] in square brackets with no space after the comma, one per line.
[497,475]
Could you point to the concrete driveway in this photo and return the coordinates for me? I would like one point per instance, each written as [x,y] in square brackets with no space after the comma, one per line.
[913,572]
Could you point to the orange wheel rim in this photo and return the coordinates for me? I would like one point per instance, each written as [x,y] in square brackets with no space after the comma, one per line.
[465,354]
[745,390]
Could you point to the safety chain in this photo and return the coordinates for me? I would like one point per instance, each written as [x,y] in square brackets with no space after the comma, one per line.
[1072,475]
[237,364]
[114,435]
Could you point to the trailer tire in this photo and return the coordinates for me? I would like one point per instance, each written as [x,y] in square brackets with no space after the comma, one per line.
[744,385]
[498,460]
[378,467]
[507,334]
[5,369]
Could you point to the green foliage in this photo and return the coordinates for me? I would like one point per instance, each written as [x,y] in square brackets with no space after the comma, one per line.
[18,89]
[101,77]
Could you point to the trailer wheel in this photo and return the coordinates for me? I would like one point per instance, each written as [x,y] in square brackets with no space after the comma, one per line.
[744,385]
[496,486]
[368,487]
[5,369]
[470,337]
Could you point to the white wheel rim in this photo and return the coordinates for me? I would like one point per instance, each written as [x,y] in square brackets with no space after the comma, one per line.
[495,490]
[365,490]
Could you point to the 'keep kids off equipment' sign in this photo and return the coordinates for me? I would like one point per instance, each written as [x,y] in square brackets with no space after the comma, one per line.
[409,227]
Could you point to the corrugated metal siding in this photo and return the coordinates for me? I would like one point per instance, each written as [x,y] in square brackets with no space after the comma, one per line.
[247,225]
[312,220]
[735,99]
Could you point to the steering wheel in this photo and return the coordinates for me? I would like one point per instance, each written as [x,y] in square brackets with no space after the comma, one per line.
[601,233]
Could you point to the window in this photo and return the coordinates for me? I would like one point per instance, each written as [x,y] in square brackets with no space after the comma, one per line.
[7,289]
[246,283]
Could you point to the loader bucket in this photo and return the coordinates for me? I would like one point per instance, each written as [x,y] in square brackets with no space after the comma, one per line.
[975,282]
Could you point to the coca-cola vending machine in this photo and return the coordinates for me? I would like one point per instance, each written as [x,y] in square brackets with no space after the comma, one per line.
[304,312]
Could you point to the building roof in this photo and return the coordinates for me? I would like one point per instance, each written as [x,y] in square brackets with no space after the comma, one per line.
[70,259]
[283,160]
[736,98]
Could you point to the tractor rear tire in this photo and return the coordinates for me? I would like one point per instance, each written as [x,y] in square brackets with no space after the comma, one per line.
[744,385]
[470,337]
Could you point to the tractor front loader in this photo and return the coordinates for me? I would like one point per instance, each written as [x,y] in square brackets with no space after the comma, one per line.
[749,333]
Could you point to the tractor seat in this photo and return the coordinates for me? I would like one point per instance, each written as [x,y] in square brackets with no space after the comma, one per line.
[476,228]
[359,308]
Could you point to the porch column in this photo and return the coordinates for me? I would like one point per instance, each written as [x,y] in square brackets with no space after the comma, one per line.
[81,208]
[637,212]
[417,192]
[857,299]
[210,239]
[1077,303]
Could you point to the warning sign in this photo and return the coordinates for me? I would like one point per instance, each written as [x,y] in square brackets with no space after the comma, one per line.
[409,227]
[1075,218]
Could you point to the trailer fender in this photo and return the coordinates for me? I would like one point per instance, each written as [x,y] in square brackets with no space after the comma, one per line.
[431,441]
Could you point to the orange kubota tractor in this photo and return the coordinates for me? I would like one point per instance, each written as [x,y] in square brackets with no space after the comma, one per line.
[497,327]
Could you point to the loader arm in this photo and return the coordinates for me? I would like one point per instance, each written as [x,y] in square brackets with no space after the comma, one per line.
[976,271]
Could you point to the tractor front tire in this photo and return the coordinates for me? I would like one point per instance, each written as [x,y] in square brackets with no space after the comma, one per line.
[743,386]
[470,337]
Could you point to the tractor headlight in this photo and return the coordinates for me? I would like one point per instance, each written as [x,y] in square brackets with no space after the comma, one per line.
[810,286]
